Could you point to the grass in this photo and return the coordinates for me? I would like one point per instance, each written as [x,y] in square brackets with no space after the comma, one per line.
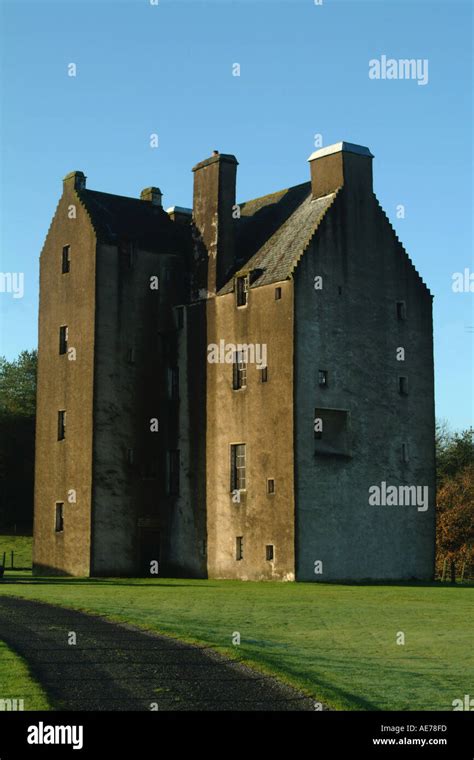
[16,682]
[22,546]
[337,643]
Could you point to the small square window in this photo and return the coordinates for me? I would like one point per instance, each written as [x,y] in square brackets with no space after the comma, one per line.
[277,294]
[264,374]
[66,260]
[403,386]
[63,339]
[61,425]
[242,289]
[322,378]
[59,518]
[401,310]
[270,485]
[239,547]
[269,552]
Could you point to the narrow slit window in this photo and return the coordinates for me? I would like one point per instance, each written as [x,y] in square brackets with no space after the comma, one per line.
[269,553]
[174,383]
[270,485]
[405,452]
[239,548]
[61,425]
[131,355]
[322,378]
[277,294]
[237,467]
[66,259]
[59,517]
[63,339]
[173,472]
[264,374]
[242,288]
[401,310]
[403,385]
[239,371]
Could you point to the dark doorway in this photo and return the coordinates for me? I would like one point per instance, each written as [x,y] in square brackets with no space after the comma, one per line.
[149,552]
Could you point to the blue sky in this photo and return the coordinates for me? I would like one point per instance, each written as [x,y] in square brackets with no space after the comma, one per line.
[167,69]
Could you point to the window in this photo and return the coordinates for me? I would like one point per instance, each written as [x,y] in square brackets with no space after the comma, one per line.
[270,485]
[405,453]
[322,378]
[403,386]
[66,261]
[269,552]
[61,425]
[239,547]
[63,339]
[401,310]
[264,374]
[59,520]
[130,255]
[131,355]
[173,472]
[332,436]
[174,383]
[277,294]
[237,467]
[242,290]
[239,371]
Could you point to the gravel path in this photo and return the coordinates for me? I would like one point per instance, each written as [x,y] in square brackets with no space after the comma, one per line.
[120,667]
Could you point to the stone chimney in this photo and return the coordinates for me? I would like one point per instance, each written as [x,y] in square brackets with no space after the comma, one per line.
[74,181]
[152,194]
[341,164]
[213,199]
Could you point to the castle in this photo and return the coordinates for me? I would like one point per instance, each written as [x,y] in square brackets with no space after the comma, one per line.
[220,388]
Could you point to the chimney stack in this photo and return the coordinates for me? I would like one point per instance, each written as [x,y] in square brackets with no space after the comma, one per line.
[341,164]
[75,180]
[213,200]
[152,194]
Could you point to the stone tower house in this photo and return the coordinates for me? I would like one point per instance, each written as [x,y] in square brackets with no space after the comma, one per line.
[237,390]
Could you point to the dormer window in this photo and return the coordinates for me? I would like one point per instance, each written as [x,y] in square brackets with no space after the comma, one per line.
[242,290]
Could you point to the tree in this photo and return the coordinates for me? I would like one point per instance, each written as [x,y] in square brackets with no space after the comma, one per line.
[17,440]
[455,497]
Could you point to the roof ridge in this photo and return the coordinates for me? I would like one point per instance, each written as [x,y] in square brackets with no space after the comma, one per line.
[276,192]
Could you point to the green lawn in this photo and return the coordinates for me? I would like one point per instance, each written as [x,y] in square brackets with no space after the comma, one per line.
[336,642]
[16,682]
[22,546]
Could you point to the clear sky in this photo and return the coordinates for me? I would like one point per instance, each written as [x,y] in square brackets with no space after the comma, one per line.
[167,69]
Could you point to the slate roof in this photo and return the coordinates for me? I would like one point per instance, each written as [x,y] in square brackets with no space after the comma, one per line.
[117,217]
[278,228]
